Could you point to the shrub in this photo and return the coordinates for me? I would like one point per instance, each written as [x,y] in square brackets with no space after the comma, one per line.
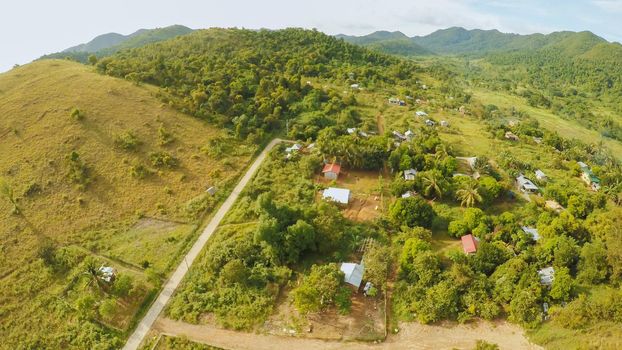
[164,136]
[163,160]
[127,141]
[77,114]
[78,171]
[140,171]
[319,289]
[413,211]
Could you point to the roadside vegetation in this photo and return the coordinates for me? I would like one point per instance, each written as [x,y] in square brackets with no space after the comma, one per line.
[115,177]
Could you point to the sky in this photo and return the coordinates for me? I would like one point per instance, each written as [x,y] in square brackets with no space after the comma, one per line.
[31,28]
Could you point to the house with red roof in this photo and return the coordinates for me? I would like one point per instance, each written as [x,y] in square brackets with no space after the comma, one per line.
[331,171]
[469,244]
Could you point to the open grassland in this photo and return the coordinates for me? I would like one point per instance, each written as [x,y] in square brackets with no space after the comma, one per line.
[71,210]
[548,120]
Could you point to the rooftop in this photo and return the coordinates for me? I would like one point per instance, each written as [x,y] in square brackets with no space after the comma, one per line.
[353,273]
[469,245]
[338,195]
[331,168]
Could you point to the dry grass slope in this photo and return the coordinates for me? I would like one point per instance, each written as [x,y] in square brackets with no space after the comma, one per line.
[36,135]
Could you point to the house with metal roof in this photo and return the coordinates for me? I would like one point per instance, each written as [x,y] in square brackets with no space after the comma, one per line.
[331,171]
[410,174]
[337,195]
[353,273]
[533,232]
[469,244]
[547,275]
[525,185]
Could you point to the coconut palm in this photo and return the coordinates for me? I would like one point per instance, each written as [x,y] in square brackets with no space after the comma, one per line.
[7,191]
[431,184]
[93,272]
[468,194]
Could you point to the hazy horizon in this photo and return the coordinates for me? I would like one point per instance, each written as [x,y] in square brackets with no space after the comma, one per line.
[27,34]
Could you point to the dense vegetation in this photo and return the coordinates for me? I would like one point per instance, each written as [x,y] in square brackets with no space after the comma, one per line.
[280,239]
[253,80]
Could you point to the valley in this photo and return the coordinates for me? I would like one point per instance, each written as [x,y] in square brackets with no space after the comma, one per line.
[436,192]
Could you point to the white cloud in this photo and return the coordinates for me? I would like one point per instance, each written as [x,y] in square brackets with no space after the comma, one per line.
[609,5]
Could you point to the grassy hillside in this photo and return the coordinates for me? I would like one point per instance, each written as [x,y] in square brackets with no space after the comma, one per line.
[130,197]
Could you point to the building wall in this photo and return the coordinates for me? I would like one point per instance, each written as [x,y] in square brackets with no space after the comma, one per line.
[330,175]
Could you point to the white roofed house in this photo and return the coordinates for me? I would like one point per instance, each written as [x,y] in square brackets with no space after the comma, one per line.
[351,130]
[337,195]
[533,232]
[430,122]
[410,174]
[421,114]
[399,135]
[107,273]
[540,175]
[409,134]
[296,147]
[444,123]
[355,86]
[547,275]
[525,185]
[353,273]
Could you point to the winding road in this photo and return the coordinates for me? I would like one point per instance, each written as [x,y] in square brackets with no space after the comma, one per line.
[169,288]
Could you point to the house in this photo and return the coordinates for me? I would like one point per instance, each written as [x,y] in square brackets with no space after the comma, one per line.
[421,114]
[510,136]
[296,147]
[396,101]
[353,273]
[540,175]
[424,87]
[410,174]
[311,146]
[547,275]
[211,190]
[337,195]
[588,177]
[331,171]
[469,244]
[444,123]
[430,122]
[525,185]
[537,140]
[409,134]
[409,194]
[107,273]
[399,135]
[533,232]
[553,205]
[351,130]
[363,133]
[354,86]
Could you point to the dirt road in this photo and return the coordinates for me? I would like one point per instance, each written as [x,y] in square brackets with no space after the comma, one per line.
[412,336]
[145,324]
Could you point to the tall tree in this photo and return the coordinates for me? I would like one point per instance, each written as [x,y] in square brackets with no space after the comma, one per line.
[468,194]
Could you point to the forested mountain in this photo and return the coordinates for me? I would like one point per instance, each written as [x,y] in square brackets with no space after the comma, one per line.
[476,42]
[107,44]
[395,43]
[252,80]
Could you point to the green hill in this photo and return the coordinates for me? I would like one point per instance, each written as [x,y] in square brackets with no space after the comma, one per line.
[129,197]
[395,43]
[107,44]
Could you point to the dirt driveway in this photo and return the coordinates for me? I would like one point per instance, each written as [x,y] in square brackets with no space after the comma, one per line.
[412,336]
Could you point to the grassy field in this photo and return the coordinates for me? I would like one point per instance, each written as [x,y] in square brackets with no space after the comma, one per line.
[136,224]
[566,128]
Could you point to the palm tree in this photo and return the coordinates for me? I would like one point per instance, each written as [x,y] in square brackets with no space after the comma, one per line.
[431,185]
[468,194]
[7,191]
[93,272]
